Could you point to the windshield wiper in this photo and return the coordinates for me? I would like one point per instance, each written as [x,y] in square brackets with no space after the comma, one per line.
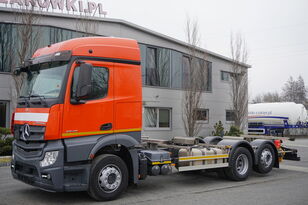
[26,98]
[41,97]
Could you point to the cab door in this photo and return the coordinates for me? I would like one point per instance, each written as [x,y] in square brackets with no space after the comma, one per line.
[95,115]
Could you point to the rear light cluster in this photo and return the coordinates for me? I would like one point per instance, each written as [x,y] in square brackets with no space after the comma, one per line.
[277,143]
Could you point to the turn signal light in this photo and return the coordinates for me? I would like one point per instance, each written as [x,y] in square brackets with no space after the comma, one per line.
[277,143]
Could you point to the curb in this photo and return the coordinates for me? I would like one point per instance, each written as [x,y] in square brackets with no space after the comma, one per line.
[5,164]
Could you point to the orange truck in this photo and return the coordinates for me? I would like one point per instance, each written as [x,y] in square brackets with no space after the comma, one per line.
[77,125]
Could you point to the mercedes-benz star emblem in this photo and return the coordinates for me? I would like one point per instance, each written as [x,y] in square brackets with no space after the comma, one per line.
[25,134]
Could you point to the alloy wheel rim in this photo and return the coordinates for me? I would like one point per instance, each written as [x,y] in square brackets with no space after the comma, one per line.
[110,178]
[266,158]
[242,164]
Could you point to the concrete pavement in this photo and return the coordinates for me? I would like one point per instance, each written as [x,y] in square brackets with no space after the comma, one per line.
[288,185]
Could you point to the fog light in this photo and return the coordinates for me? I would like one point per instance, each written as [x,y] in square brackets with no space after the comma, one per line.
[46,176]
[49,159]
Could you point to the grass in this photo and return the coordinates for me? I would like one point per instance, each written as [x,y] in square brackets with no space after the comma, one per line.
[5,159]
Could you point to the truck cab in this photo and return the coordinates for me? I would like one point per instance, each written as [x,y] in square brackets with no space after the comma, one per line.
[80,98]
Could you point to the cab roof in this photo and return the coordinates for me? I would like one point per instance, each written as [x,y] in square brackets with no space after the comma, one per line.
[105,47]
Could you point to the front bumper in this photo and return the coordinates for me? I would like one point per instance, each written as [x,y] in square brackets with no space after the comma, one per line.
[57,177]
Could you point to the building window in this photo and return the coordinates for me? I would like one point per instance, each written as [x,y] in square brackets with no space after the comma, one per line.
[4,114]
[202,115]
[99,83]
[186,71]
[158,67]
[209,77]
[176,75]
[168,68]
[225,76]
[201,68]
[157,118]
[230,115]
[11,44]
[143,53]
[152,72]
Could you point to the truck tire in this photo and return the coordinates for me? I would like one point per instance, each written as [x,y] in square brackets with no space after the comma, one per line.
[108,177]
[240,164]
[266,159]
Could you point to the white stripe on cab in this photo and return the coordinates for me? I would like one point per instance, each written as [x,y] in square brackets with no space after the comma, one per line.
[33,117]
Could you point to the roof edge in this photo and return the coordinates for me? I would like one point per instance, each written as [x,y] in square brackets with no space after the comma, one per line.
[130,24]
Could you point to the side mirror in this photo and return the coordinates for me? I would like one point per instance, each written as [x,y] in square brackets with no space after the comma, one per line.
[84,81]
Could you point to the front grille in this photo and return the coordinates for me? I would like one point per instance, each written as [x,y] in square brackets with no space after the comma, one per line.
[29,149]
[36,132]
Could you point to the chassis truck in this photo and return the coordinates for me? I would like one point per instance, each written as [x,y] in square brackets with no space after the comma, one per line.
[78,122]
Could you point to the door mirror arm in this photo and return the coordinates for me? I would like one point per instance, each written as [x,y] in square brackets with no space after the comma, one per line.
[75,101]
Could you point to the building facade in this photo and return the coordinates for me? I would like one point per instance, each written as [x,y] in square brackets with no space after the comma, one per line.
[164,69]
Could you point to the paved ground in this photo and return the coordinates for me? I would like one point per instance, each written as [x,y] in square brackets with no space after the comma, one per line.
[288,185]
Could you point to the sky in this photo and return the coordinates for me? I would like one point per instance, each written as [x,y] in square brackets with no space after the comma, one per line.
[276,32]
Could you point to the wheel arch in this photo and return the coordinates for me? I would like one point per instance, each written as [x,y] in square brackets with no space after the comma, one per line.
[212,140]
[238,143]
[122,145]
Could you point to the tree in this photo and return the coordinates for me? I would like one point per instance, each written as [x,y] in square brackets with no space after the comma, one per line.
[239,80]
[28,39]
[257,99]
[194,79]
[271,97]
[295,90]
[267,98]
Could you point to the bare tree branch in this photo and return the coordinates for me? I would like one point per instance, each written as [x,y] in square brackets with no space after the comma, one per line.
[239,80]
[28,40]
[194,80]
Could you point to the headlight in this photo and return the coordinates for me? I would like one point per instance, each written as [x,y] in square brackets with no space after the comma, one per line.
[49,159]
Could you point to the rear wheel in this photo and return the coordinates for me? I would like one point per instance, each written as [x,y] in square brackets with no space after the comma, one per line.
[266,159]
[240,164]
[108,177]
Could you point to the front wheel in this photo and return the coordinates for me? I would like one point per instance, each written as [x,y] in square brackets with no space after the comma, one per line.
[108,177]
[240,164]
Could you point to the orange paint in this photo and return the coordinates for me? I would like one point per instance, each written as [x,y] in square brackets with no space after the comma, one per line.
[122,107]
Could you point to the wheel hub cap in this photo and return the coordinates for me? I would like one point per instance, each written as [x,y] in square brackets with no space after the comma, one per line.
[110,178]
[266,158]
[241,164]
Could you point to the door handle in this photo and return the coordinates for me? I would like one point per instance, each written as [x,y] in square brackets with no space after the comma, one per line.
[107,126]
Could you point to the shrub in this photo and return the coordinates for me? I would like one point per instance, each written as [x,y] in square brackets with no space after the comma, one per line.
[234,131]
[4,131]
[6,150]
[218,129]
[6,146]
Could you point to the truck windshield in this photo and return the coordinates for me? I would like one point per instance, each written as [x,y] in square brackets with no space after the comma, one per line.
[44,80]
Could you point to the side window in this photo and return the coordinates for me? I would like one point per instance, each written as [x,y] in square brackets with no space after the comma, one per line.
[202,115]
[225,76]
[157,118]
[229,115]
[99,84]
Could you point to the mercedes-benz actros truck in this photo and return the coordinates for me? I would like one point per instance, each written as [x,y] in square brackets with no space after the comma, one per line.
[77,125]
